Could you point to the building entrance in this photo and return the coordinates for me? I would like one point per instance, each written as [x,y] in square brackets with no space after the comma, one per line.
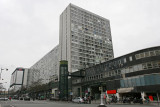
[95,92]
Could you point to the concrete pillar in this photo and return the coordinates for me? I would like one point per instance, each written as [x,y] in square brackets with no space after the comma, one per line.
[117,95]
[157,98]
[143,94]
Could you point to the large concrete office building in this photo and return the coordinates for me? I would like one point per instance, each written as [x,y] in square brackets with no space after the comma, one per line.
[46,69]
[84,39]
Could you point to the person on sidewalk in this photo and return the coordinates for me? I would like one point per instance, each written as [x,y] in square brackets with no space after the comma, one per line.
[10,98]
[108,100]
[105,99]
[89,99]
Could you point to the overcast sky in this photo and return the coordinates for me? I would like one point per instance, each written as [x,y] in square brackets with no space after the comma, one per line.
[30,28]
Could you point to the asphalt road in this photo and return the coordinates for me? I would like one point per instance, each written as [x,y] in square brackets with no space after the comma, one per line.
[17,103]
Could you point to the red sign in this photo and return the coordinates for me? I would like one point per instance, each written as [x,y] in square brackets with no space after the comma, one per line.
[111,91]
[151,98]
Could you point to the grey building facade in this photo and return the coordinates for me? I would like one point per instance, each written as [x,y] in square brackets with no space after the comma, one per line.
[46,69]
[136,74]
[84,38]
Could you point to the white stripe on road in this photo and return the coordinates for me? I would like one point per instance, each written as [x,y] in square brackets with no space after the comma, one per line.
[11,105]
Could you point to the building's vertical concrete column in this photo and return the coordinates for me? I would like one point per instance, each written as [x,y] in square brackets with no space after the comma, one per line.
[81,92]
[117,95]
[158,98]
[143,94]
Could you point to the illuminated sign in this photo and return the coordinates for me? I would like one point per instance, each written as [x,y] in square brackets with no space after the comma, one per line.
[111,91]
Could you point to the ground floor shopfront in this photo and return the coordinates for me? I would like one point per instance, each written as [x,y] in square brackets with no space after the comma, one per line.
[94,90]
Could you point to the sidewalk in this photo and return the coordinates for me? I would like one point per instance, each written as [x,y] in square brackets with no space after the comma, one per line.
[154,103]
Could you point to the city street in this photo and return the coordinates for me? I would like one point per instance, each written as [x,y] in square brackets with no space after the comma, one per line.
[17,103]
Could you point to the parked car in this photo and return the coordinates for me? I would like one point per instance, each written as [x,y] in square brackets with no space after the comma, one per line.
[3,99]
[78,100]
[127,100]
[20,98]
[54,99]
[27,98]
[138,100]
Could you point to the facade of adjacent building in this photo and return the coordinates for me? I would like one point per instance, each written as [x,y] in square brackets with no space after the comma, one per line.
[136,74]
[84,39]
[46,69]
[19,79]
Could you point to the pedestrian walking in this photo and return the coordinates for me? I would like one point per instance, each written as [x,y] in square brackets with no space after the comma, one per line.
[89,99]
[108,100]
[105,99]
[10,98]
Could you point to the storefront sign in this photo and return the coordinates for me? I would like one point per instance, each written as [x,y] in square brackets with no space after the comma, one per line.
[111,91]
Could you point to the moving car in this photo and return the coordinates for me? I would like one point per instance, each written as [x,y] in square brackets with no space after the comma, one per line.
[78,100]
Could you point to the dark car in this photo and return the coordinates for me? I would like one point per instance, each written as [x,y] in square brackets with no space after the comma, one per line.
[138,100]
[27,98]
[20,98]
[127,100]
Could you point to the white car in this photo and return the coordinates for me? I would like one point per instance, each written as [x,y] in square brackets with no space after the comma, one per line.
[78,100]
[3,99]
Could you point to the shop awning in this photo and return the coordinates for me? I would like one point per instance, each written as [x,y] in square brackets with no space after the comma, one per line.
[125,90]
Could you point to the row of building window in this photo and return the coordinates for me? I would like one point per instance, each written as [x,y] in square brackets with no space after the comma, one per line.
[134,68]
[139,67]
[80,13]
[147,54]
[143,80]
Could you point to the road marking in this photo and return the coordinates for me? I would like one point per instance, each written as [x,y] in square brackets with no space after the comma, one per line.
[11,105]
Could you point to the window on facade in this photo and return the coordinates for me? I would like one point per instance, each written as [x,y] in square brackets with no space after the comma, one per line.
[119,72]
[147,54]
[126,83]
[155,64]
[135,68]
[140,67]
[142,80]
[149,65]
[141,55]
[112,73]
[133,81]
[129,82]
[152,53]
[109,73]
[144,66]
[101,76]
[127,70]
[130,58]
[125,60]
[122,83]
[131,69]
[157,52]
[137,56]
[138,83]
[123,71]
[159,64]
